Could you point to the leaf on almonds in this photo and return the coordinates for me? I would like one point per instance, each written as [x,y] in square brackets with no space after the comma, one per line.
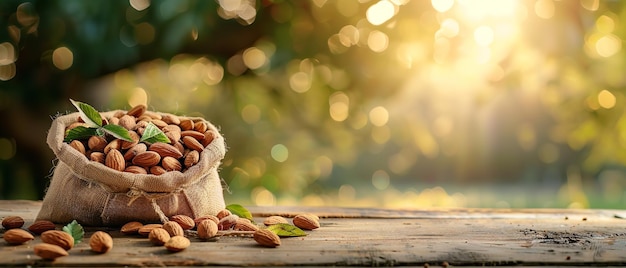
[89,114]
[286,230]
[153,134]
[240,211]
[75,230]
[79,133]
[117,132]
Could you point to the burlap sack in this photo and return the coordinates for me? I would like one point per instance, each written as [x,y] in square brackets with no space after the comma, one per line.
[93,194]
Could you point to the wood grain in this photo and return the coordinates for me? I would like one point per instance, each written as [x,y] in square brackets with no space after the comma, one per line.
[372,237]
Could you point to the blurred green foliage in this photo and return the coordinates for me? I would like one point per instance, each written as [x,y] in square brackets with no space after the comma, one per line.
[340,102]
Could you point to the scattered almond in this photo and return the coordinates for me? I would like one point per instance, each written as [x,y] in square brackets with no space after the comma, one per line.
[271,220]
[41,226]
[173,228]
[266,238]
[100,242]
[245,225]
[131,227]
[59,238]
[306,221]
[12,222]
[146,229]
[227,222]
[207,229]
[159,236]
[49,251]
[17,236]
[177,243]
[223,213]
[185,221]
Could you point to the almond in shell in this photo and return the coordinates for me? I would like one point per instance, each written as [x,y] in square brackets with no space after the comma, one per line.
[173,228]
[159,236]
[100,242]
[207,229]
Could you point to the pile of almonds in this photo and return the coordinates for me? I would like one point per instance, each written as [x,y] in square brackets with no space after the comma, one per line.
[188,137]
[172,235]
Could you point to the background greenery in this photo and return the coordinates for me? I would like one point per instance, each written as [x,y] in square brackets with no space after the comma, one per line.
[397,103]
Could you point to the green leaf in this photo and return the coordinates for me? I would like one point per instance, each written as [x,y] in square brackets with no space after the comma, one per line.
[79,133]
[286,230]
[153,134]
[89,114]
[117,132]
[75,230]
[240,211]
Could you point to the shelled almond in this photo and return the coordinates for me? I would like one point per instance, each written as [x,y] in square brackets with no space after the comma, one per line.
[188,138]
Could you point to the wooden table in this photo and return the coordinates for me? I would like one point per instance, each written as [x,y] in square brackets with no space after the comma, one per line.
[372,237]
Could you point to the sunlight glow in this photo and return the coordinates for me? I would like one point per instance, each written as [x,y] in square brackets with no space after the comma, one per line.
[606,99]
[380,12]
[442,5]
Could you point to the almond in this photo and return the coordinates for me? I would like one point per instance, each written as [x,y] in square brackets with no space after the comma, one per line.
[97,143]
[170,119]
[157,170]
[173,136]
[207,229]
[159,123]
[266,238]
[171,164]
[49,251]
[146,159]
[200,126]
[97,157]
[159,236]
[171,128]
[134,151]
[79,146]
[192,133]
[128,122]
[100,242]
[193,143]
[184,221]
[271,220]
[136,170]
[186,124]
[306,221]
[223,213]
[130,144]
[59,238]
[131,227]
[209,136]
[227,222]
[115,160]
[137,111]
[114,144]
[245,225]
[12,222]
[164,149]
[146,229]
[41,226]
[177,243]
[17,236]
[173,228]
[192,158]
[153,115]
[206,217]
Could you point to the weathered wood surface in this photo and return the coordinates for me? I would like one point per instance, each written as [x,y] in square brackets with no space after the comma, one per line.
[373,237]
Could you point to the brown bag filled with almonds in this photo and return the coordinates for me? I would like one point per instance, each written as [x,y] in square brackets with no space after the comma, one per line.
[109,182]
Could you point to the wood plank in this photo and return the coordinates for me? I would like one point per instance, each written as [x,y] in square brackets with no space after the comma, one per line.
[374,237]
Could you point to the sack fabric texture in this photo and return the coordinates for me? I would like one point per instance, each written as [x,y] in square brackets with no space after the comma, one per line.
[96,195]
